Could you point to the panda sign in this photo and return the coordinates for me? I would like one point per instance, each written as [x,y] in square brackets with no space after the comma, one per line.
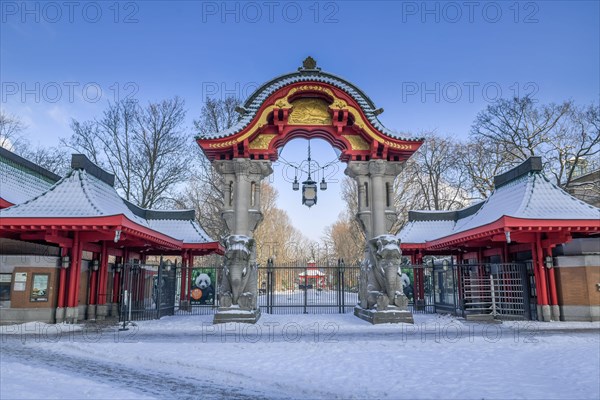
[203,292]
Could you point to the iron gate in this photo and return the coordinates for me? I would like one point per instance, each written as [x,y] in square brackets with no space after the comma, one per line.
[147,291]
[505,291]
[308,288]
[500,290]
[299,288]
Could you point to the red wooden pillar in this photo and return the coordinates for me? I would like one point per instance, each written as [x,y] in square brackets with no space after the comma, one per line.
[189,276]
[62,281]
[74,272]
[116,280]
[92,293]
[183,274]
[103,274]
[543,285]
[552,281]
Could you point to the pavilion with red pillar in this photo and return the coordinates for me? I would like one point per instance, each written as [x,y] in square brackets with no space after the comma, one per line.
[67,231]
[526,219]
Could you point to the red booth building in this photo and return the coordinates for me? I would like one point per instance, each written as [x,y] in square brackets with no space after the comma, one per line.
[526,220]
[63,241]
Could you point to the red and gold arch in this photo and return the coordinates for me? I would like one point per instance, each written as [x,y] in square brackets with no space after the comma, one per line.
[309,109]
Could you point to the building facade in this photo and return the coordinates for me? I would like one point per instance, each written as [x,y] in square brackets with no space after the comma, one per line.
[64,241]
[526,220]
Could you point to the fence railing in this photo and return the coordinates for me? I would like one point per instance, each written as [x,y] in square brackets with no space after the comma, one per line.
[501,290]
[147,292]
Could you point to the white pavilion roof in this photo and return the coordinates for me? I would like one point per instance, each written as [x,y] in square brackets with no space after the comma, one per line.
[21,179]
[87,191]
[523,192]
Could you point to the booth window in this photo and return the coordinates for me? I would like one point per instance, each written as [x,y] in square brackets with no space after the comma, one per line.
[5,287]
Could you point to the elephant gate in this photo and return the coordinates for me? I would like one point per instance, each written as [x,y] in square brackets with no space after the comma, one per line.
[310,103]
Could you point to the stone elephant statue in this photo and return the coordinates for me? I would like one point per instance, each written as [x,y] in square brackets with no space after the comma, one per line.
[239,284]
[380,284]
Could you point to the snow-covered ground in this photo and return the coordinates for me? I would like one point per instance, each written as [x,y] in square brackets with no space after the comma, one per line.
[302,356]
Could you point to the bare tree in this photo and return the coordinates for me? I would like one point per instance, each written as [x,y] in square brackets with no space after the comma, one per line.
[275,235]
[518,125]
[144,147]
[441,181]
[53,159]
[12,138]
[204,191]
[482,159]
[575,145]
[217,115]
[11,132]
[510,131]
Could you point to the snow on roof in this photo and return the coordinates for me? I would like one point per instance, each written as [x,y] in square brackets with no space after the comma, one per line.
[422,231]
[523,192]
[304,74]
[87,192]
[531,196]
[79,194]
[184,230]
[22,179]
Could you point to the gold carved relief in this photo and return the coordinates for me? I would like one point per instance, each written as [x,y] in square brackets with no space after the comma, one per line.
[307,115]
[357,142]
[309,111]
[261,142]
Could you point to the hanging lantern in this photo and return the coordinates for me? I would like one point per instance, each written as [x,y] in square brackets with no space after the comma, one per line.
[323,185]
[296,184]
[309,192]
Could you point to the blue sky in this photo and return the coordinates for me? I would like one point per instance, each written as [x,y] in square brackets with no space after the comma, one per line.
[430,65]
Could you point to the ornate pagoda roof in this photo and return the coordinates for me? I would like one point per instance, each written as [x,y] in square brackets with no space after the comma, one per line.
[522,193]
[22,179]
[87,191]
[257,117]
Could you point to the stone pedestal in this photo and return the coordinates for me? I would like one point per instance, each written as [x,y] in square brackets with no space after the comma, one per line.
[59,316]
[91,312]
[391,315]
[101,312]
[114,309]
[555,312]
[546,313]
[235,314]
[71,315]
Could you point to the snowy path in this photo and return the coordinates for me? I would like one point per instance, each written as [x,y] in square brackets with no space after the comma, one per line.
[130,381]
[306,356]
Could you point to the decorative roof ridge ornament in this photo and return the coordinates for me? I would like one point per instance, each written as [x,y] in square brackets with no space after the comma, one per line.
[309,65]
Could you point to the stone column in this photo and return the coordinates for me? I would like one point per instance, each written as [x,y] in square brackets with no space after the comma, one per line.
[238,289]
[241,216]
[376,172]
[375,179]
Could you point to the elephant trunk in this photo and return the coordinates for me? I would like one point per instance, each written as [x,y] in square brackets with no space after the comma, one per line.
[391,275]
[236,284]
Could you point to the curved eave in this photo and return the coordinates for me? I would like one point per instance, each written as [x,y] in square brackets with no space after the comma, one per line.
[4,203]
[517,225]
[210,247]
[103,223]
[248,128]
[291,75]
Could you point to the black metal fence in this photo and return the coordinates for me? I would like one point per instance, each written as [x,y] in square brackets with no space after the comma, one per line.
[308,288]
[504,291]
[301,287]
[147,291]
